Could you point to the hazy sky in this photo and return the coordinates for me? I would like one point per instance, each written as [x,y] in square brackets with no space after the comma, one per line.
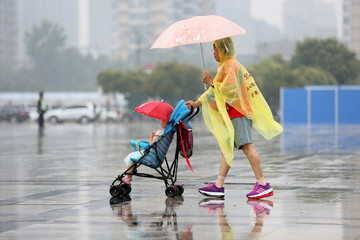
[272,11]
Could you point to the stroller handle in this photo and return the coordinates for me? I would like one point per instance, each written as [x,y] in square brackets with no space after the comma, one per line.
[191,113]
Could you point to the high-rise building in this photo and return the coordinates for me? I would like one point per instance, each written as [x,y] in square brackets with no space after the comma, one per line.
[259,33]
[239,11]
[346,27]
[308,18]
[8,31]
[351,25]
[137,23]
[100,24]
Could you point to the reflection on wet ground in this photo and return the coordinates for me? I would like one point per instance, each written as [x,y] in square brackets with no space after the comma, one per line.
[160,224]
[325,138]
[54,185]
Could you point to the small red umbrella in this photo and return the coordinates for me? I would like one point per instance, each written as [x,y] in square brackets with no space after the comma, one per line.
[156,109]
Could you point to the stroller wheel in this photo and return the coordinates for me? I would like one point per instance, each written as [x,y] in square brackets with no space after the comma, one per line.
[121,199]
[114,200]
[170,192]
[116,190]
[179,190]
[126,189]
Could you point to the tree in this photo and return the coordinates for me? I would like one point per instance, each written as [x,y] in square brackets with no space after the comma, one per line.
[170,81]
[274,72]
[78,71]
[56,67]
[134,86]
[110,80]
[115,80]
[45,42]
[175,81]
[12,79]
[132,83]
[135,81]
[329,55]
[270,75]
[311,76]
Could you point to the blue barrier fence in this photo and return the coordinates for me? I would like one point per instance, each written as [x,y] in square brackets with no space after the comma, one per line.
[321,105]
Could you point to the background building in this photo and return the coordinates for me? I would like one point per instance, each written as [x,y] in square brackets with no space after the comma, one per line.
[125,29]
[137,23]
[8,31]
[309,18]
[100,27]
[351,25]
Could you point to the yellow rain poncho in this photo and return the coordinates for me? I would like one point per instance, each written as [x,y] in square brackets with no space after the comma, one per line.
[234,85]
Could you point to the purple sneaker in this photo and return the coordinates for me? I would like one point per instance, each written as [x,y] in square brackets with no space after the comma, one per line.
[260,191]
[261,207]
[212,204]
[212,191]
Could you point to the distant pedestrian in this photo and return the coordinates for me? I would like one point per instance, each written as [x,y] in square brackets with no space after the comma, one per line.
[230,107]
[41,109]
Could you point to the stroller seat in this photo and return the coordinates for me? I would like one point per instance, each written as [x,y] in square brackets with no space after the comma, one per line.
[155,155]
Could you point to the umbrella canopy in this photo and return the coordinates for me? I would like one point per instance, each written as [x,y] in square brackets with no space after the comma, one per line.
[156,109]
[197,30]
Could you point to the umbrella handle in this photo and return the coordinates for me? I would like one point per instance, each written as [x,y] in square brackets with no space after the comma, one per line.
[203,62]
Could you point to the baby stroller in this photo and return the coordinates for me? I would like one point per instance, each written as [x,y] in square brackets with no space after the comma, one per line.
[154,156]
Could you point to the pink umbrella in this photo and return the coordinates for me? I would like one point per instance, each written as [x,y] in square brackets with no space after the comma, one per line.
[197,30]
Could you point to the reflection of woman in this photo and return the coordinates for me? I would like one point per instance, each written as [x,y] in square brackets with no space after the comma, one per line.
[217,206]
[261,209]
[231,106]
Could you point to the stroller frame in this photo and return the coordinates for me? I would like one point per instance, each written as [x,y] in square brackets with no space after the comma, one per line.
[166,171]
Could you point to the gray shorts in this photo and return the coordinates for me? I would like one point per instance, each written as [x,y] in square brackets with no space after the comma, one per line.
[242,127]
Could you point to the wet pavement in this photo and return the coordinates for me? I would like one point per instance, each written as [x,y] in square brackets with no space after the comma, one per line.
[54,184]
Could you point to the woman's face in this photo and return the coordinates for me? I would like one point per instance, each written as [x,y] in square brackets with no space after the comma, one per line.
[216,54]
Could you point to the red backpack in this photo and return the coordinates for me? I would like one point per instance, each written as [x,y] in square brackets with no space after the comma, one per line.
[186,142]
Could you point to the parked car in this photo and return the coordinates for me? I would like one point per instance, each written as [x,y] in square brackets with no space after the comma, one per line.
[109,115]
[34,115]
[14,113]
[80,112]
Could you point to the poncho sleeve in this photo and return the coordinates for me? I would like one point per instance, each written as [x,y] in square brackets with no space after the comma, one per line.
[214,112]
